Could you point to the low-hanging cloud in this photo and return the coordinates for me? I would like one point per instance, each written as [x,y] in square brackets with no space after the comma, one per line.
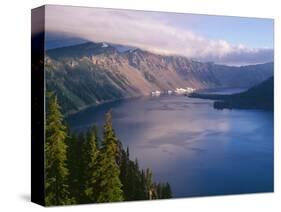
[149,31]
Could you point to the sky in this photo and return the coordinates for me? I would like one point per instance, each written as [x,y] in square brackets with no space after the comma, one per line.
[219,39]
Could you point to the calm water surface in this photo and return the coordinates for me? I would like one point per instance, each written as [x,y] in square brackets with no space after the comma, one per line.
[199,150]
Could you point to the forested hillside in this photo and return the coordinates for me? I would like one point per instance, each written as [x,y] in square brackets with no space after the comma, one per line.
[94,73]
[260,96]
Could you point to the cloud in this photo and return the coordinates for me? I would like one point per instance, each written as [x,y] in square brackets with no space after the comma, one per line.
[150,31]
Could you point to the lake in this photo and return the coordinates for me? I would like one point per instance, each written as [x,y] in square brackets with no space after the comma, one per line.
[200,151]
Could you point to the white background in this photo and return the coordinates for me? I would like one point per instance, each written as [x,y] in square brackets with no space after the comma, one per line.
[15,105]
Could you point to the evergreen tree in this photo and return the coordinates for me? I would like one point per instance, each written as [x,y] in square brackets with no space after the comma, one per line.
[81,170]
[110,186]
[124,173]
[144,195]
[168,191]
[132,178]
[75,166]
[159,191]
[163,191]
[139,186]
[149,184]
[90,156]
[56,172]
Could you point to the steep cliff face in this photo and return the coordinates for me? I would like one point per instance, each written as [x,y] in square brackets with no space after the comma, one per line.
[93,73]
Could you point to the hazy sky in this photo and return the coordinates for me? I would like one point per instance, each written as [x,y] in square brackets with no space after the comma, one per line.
[225,40]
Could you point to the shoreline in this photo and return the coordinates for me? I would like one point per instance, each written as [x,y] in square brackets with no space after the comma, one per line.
[147,95]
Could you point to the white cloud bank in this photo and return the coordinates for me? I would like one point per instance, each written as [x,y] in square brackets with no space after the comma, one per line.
[149,31]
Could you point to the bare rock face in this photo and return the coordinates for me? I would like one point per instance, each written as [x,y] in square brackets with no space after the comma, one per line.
[93,73]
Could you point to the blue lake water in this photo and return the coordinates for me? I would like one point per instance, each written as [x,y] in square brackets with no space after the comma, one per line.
[200,151]
[222,91]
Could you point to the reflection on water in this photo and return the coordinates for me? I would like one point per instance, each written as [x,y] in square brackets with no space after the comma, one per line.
[198,150]
[222,91]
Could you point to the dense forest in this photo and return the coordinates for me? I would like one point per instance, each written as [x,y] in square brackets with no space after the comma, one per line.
[260,96]
[83,168]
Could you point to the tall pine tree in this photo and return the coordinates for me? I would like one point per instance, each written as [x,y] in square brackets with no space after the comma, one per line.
[90,156]
[75,166]
[56,172]
[149,184]
[110,186]
[131,178]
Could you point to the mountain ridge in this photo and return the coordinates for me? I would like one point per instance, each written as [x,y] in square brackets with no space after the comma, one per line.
[260,96]
[93,73]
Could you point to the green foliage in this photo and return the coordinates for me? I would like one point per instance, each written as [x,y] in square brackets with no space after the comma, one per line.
[83,169]
[110,186]
[260,96]
[149,183]
[75,166]
[132,179]
[91,166]
[56,149]
[163,191]
[98,84]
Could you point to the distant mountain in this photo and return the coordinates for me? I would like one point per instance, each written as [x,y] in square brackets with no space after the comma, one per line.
[93,73]
[123,48]
[57,40]
[54,40]
[260,96]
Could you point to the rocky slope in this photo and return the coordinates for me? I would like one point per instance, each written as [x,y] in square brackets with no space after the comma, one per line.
[93,73]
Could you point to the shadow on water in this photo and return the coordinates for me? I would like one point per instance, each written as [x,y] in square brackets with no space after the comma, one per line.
[197,149]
